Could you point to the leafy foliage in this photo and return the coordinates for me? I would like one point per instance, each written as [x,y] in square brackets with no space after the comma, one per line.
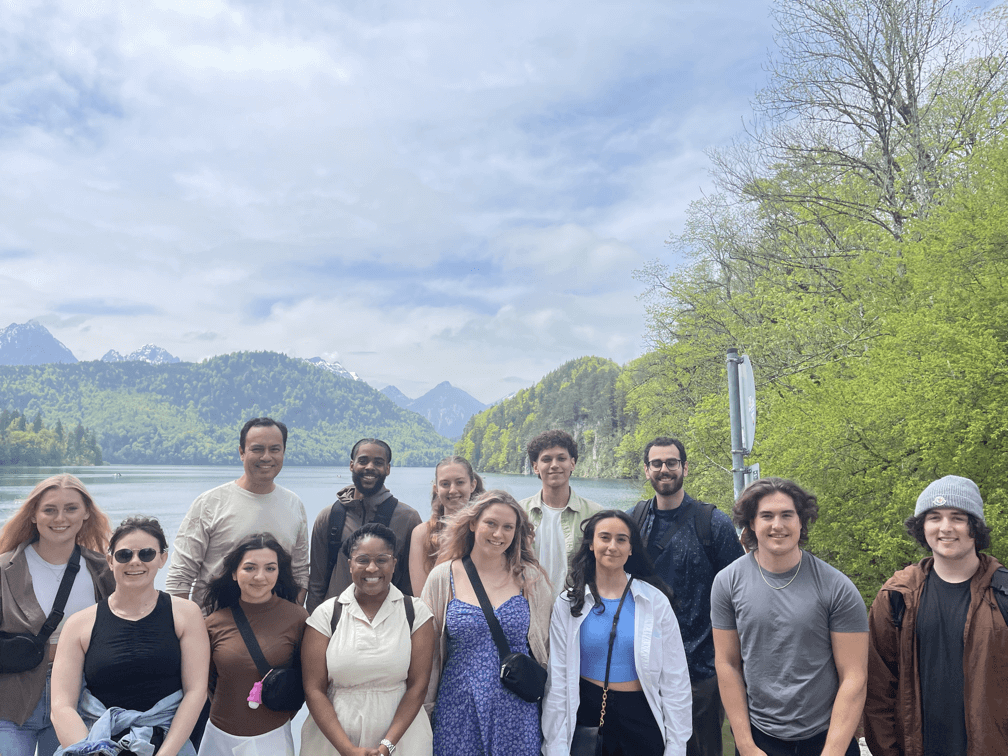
[39,446]
[191,413]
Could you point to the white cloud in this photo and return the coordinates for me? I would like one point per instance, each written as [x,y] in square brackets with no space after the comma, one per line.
[434,191]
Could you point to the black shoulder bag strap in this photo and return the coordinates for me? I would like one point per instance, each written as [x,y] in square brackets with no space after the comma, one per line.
[66,585]
[503,649]
[250,640]
[612,641]
[337,612]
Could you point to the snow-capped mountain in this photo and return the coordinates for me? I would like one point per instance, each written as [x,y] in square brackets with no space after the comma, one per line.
[31,344]
[147,353]
[333,367]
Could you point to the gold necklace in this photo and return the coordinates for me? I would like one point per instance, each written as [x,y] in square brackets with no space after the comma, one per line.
[778,587]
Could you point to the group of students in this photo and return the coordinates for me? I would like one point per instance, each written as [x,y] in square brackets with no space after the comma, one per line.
[454,671]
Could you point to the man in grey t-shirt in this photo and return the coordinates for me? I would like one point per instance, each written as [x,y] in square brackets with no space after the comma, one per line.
[790,633]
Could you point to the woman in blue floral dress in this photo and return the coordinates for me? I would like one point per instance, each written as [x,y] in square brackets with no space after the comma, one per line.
[473,713]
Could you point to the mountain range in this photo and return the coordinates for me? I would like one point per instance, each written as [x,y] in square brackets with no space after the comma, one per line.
[446,407]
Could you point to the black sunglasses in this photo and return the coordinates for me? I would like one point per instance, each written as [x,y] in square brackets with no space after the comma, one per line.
[125,556]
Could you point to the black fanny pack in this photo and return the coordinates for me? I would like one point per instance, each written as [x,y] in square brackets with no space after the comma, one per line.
[20,652]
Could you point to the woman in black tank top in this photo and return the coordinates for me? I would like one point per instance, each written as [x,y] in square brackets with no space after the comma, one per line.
[134,649]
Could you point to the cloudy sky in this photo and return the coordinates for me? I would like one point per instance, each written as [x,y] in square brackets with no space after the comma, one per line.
[423,191]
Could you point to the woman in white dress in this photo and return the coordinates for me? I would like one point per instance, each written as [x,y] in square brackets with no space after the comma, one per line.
[366,674]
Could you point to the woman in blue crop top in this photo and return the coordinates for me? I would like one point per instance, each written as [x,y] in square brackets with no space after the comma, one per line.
[140,650]
[648,698]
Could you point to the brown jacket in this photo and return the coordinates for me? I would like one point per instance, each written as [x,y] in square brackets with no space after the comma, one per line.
[20,613]
[323,584]
[892,712]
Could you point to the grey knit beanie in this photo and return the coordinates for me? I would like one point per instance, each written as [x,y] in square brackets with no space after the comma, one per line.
[952,491]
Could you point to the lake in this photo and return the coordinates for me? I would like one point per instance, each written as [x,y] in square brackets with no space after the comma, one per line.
[167,491]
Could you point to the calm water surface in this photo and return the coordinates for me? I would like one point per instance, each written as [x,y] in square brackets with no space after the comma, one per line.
[166,492]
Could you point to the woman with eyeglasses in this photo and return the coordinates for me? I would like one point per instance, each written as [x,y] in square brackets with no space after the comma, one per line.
[256,581]
[36,545]
[616,653]
[366,660]
[143,655]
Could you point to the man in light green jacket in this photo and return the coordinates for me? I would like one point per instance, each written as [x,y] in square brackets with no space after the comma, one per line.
[556,511]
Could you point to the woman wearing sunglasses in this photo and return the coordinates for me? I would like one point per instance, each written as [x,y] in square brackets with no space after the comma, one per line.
[36,544]
[256,582]
[615,652]
[140,650]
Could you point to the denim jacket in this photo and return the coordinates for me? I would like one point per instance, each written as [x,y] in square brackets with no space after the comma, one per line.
[138,724]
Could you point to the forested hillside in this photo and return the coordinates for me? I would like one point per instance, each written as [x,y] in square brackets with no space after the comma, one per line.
[190,413]
[580,397]
[31,443]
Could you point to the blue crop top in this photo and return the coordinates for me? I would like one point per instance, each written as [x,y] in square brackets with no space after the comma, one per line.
[595,642]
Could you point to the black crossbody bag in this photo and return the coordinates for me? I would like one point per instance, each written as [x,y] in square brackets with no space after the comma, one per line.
[519,673]
[20,652]
[282,687]
[588,740]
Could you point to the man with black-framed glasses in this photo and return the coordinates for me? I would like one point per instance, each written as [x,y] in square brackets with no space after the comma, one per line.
[689,542]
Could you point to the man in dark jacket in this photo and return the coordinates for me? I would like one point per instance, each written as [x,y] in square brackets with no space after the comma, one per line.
[938,654]
[367,500]
[689,542]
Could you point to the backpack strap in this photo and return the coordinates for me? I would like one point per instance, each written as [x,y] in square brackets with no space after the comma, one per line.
[407,605]
[999,582]
[703,513]
[337,520]
[639,514]
[385,511]
[897,605]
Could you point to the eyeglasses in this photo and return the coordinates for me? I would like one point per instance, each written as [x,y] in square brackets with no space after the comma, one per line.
[671,464]
[125,556]
[382,560]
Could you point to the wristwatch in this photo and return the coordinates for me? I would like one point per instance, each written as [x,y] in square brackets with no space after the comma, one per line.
[388,744]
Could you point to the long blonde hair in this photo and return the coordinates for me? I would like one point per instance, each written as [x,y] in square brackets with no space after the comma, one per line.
[436,524]
[94,533]
[458,539]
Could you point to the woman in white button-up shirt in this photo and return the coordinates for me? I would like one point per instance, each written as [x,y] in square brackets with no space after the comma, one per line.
[648,702]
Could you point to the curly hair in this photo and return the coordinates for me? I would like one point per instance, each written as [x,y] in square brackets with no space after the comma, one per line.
[744,511]
[978,531]
[94,532]
[459,537]
[148,525]
[582,563]
[436,523]
[223,590]
[369,530]
[549,439]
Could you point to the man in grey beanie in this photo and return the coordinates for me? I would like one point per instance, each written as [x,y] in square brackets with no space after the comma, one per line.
[938,641]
